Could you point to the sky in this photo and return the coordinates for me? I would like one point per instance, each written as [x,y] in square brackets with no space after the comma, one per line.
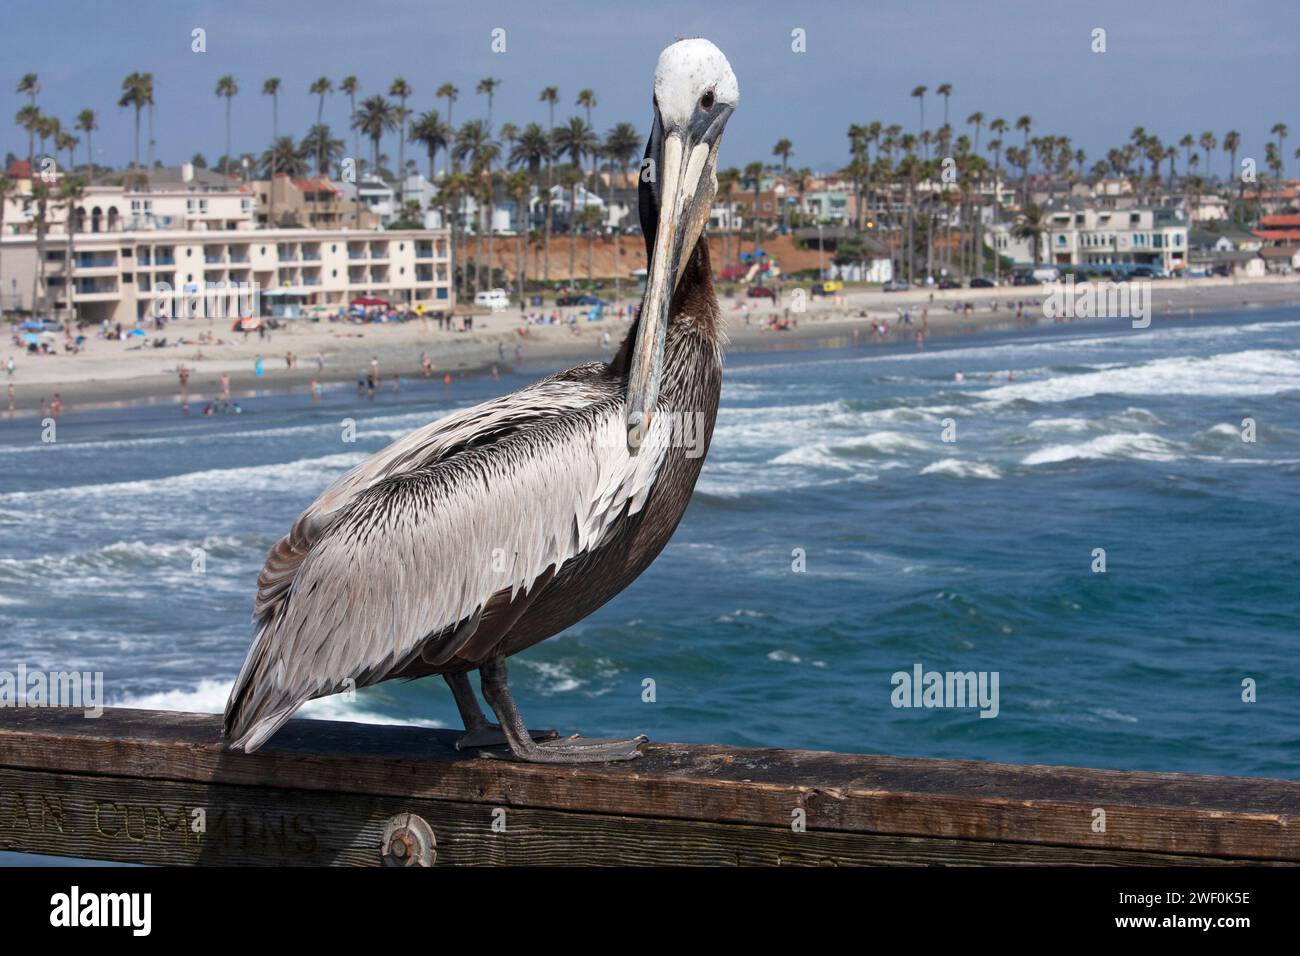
[1171,67]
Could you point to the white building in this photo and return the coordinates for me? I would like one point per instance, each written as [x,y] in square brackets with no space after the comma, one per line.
[117,275]
[1083,235]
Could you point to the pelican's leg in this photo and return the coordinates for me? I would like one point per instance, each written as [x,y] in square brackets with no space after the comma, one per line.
[478,732]
[568,750]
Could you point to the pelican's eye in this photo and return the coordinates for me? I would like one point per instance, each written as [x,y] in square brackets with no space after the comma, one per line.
[706,101]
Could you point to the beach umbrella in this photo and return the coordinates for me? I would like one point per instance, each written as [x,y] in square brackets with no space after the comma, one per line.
[139,332]
[30,338]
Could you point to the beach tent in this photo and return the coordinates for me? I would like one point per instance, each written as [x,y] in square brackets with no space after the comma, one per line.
[368,300]
[30,338]
[139,332]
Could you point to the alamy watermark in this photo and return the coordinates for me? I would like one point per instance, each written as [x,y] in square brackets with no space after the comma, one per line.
[83,690]
[212,300]
[953,689]
[1099,300]
[685,430]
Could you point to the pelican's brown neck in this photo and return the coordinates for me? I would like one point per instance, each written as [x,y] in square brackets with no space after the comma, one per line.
[694,307]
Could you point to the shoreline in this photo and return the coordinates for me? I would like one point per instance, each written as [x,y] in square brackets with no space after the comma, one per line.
[110,374]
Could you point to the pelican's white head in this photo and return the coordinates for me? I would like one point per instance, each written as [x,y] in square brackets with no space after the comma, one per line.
[695,94]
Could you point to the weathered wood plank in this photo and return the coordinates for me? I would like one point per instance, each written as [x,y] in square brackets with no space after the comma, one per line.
[118,818]
[1158,813]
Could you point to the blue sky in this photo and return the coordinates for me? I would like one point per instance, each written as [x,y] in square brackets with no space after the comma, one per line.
[1173,67]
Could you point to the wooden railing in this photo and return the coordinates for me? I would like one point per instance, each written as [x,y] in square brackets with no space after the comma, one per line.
[155,787]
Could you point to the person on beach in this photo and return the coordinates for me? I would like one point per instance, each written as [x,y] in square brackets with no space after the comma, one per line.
[10,366]
[225,386]
[257,366]
[374,371]
[183,374]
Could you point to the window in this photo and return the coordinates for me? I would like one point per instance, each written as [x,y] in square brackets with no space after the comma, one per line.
[128,277]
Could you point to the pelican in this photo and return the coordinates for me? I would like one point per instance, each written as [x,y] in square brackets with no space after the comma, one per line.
[494,528]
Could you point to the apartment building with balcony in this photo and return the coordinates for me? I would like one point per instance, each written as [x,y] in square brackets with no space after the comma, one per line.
[117,276]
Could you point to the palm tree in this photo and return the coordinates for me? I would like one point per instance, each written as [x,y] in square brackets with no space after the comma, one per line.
[321,144]
[590,219]
[86,123]
[70,143]
[1281,132]
[451,190]
[350,86]
[227,89]
[550,96]
[1208,143]
[976,119]
[1232,143]
[531,149]
[577,141]
[374,119]
[783,148]
[29,118]
[433,134]
[488,87]
[41,196]
[71,191]
[519,187]
[570,178]
[1025,124]
[587,100]
[622,144]
[450,93]
[285,156]
[919,94]
[47,129]
[995,147]
[1029,225]
[402,90]
[475,144]
[271,88]
[29,86]
[132,95]
[146,95]
[944,90]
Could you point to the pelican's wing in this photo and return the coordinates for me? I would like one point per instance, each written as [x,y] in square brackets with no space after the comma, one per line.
[482,424]
[407,566]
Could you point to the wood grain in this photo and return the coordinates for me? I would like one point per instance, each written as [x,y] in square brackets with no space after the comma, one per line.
[679,804]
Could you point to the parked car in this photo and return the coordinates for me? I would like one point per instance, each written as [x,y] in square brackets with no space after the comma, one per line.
[588,300]
[829,287]
[492,299]
[894,285]
[1023,278]
[947,282]
[762,292]
[982,282]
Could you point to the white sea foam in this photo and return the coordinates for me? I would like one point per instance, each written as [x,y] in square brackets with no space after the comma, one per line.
[209,696]
[1252,372]
[961,468]
[1138,446]
[1062,424]
[309,473]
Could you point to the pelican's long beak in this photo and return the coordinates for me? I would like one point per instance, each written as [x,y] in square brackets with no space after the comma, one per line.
[687,186]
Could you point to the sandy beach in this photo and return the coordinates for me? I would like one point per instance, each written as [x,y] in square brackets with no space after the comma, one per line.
[109,372]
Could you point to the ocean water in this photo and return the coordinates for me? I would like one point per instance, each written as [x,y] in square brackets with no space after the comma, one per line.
[835,539]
